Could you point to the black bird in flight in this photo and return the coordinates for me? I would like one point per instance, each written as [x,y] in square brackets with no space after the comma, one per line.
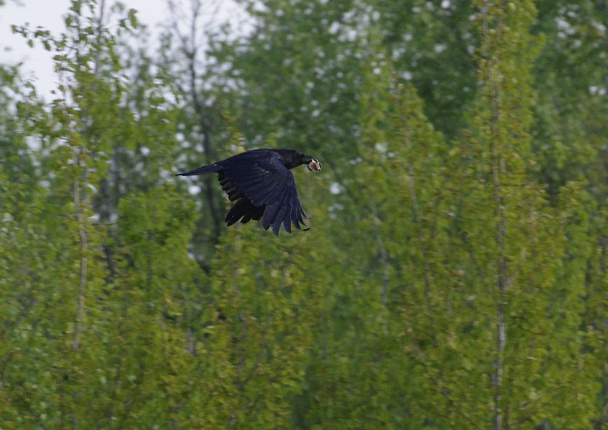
[264,188]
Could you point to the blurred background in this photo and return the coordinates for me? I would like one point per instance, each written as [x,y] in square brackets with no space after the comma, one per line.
[455,272]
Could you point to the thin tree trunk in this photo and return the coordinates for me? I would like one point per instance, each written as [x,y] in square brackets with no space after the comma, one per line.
[498,168]
[83,251]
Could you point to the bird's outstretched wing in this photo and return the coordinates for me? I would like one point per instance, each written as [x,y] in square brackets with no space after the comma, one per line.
[263,186]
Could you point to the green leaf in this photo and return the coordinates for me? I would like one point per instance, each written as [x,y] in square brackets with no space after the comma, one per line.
[133,18]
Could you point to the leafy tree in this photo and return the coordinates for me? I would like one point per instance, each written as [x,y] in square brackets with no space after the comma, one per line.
[203,124]
[432,45]
[510,325]
[569,136]
[61,289]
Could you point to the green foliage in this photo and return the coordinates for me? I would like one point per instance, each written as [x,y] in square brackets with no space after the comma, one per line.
[455,272]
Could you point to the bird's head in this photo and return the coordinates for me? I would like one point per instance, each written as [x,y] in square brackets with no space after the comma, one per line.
[291,159]
[312,163]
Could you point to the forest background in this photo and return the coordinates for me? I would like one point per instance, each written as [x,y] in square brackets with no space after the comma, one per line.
[455,273]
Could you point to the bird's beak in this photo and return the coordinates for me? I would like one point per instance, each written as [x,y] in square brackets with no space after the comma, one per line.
[314,165]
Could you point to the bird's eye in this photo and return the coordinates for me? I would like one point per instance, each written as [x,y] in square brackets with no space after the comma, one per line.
[314,165]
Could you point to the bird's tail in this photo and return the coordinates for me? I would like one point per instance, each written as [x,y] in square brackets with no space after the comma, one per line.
[201,170]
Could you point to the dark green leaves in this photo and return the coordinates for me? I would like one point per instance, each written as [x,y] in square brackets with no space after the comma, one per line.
[455,272]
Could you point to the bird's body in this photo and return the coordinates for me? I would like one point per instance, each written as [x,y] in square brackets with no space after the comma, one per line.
[262,185]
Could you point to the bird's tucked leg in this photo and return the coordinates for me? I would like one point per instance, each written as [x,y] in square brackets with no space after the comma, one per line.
[243,208]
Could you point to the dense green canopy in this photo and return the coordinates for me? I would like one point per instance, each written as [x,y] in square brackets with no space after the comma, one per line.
[455,273]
